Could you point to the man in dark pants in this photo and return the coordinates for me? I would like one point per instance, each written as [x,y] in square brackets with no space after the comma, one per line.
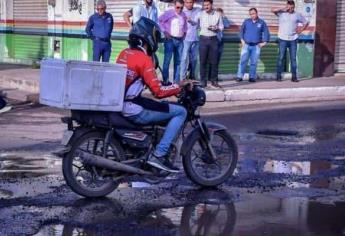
[211,23]
[99,28]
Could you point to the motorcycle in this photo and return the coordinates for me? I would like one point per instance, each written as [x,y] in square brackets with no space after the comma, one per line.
[102,149]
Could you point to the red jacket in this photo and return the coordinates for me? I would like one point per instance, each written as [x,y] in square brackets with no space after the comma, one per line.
[140,65]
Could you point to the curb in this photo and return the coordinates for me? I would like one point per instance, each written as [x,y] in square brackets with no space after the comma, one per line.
[27,90]
[30,86]
[310,93]
[284,93]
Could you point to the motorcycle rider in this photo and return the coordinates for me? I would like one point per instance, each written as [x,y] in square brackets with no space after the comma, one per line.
[143,41]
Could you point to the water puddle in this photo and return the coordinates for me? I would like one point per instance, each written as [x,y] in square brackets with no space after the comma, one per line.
[28,164]
[261,215]
[304,135]
[316,173]
[269,132]
[201,219]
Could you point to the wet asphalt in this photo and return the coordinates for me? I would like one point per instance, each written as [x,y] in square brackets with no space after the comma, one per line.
[289,180]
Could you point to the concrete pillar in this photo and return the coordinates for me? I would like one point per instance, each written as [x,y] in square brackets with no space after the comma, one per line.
[6,23]
[325,36]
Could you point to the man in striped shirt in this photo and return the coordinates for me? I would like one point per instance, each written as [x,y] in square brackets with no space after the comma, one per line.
[146,8]
[210,22]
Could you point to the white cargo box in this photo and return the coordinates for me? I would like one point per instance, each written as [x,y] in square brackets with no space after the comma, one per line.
[82,85]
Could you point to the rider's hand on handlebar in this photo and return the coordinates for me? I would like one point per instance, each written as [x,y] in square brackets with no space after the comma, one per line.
[187,84]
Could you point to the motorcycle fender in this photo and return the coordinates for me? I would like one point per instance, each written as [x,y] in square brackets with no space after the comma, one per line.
[211,127]
[77,133]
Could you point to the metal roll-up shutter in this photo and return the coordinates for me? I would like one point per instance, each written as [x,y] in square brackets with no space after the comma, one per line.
[118,7]
[340,38]
[237,11]
[30,10]
[30,28]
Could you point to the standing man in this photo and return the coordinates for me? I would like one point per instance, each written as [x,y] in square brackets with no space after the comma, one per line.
[288,35]
[220,34]
[99,28]
[211,23]
[146,9]
[173,23]
[254,35]
[191,42]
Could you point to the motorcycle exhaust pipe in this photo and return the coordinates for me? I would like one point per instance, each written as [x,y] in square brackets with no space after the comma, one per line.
[101,162]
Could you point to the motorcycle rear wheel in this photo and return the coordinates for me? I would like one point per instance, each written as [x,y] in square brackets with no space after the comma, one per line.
[85,180]
[201,169]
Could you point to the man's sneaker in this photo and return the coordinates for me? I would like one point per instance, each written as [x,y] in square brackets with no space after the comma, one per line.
[156,162]
[294,79]
[168,163]
[252,80]
[215,85]
[238,79]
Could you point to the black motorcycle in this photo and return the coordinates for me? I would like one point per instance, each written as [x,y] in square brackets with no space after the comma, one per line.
[103,149]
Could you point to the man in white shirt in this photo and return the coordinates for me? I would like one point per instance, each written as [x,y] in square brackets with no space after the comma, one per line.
[146,9]
[211,23]
[288,34]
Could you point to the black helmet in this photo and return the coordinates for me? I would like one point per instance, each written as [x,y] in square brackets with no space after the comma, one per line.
[198,96]
[148,31]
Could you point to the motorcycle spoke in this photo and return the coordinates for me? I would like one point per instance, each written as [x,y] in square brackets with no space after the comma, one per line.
[196,156]
[78,172]
[78,167]
[207,172]
[218,164]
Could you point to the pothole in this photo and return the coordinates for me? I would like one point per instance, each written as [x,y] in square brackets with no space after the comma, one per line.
[268,132]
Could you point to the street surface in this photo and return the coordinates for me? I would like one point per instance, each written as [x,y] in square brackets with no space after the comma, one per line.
[289,180]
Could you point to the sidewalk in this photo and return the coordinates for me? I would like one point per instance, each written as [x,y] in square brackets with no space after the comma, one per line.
[22,83]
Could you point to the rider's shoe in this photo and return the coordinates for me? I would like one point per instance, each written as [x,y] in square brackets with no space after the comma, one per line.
[156,162]
[170,165]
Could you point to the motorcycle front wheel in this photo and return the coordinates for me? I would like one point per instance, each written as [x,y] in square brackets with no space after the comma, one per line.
[86,180]
[199,165]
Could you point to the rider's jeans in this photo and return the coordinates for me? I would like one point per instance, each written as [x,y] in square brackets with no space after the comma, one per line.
[177,115]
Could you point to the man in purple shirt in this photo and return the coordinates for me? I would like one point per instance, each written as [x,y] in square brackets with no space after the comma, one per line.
[173,23]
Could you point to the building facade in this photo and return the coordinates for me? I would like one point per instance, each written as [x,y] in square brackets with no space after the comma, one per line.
[31,30]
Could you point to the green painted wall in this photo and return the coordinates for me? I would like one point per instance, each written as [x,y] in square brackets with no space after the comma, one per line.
[6,46]
[75,48]
[32,48]
[305,59]
[116,47]
[231,57]
[29,46]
